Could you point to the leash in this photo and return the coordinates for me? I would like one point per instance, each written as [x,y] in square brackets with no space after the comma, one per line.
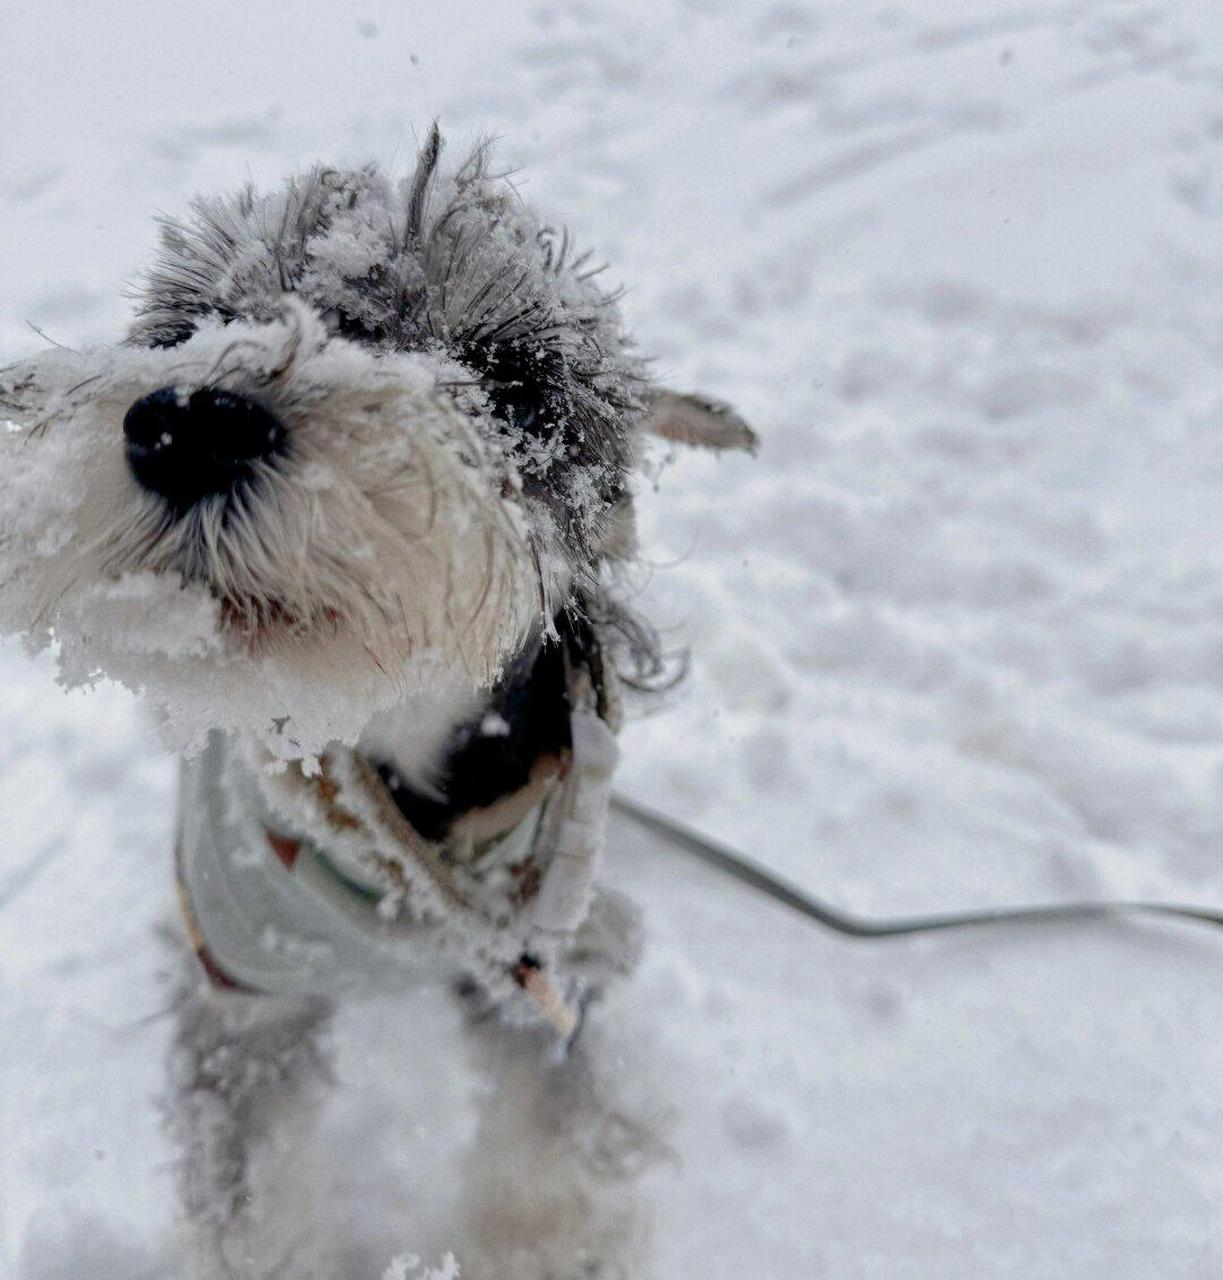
[750,873]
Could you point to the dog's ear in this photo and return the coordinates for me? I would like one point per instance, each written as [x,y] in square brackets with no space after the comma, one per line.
[697,420]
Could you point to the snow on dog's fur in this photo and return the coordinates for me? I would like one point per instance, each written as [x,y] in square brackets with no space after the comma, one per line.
[359,475]
[388,545]
[460,406]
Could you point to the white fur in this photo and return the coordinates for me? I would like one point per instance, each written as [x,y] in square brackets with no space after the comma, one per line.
[412,734]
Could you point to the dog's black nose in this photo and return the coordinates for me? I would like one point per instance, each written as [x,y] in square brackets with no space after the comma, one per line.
[189,446]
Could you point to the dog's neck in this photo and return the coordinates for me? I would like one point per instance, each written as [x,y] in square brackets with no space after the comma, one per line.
[414,735]
[511,833]
[455,750]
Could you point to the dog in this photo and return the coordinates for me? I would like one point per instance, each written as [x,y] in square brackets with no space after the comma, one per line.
[351,506]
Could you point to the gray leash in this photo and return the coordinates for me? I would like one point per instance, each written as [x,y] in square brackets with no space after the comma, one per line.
[756,877]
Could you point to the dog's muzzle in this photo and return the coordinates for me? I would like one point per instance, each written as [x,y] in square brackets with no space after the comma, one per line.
[188,446]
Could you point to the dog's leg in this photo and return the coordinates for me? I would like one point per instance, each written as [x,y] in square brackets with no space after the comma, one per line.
[247,1075]
[552,1184]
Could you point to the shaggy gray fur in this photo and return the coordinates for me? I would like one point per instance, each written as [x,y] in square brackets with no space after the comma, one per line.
[439,262]
[246,1076]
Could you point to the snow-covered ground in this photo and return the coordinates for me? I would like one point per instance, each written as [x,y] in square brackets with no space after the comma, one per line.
[957,632]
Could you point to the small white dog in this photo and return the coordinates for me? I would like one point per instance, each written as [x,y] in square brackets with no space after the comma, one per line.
[348,506]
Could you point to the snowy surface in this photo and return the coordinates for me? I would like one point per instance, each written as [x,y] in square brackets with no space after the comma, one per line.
[957,632]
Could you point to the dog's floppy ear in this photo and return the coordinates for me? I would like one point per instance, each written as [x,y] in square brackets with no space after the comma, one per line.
[697,420]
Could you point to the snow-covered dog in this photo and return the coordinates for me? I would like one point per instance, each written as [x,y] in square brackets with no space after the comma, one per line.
[347,506]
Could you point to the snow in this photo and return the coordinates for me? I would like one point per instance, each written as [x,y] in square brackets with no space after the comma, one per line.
[407,1268]
[956,630]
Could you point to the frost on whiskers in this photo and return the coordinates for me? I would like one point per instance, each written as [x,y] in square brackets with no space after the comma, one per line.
[392,547]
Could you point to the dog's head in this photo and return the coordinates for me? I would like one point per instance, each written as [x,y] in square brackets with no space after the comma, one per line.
[363,437]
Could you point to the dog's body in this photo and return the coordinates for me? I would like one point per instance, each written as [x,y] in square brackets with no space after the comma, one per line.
[348,506]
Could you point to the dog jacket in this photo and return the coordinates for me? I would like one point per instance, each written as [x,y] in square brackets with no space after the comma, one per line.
[294,883]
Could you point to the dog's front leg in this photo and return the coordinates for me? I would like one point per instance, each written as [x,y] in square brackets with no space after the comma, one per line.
[553,1185]
[247,1076]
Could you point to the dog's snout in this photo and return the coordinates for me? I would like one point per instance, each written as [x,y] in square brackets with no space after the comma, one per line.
[187,446]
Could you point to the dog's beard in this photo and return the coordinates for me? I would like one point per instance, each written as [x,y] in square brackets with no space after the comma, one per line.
[390,547]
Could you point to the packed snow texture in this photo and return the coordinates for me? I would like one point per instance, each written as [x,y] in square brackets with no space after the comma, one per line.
[957,632]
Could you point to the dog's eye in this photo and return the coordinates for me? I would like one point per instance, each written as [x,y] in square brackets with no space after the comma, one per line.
[524,417]
[516,405]
[520,385]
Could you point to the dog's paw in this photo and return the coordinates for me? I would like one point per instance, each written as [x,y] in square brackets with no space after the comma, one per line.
[608,943]
[591,1269]
[254,1249]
